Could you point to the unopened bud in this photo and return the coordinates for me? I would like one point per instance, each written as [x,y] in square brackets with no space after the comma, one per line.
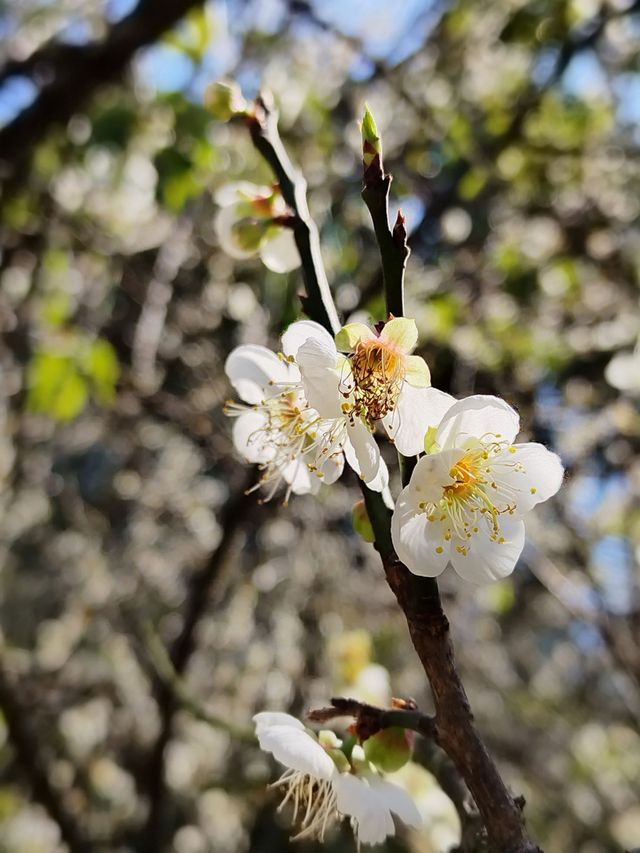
[361,522]
[249,234]
[224,100]
[371,142]
[371,151]
[390,749]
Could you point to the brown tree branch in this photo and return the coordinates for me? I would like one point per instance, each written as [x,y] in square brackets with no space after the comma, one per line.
[73,73]
[318,302]
[418,597]
[455,731]
[370,719]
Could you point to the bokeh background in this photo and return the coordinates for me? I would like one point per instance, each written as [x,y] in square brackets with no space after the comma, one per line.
[512,130]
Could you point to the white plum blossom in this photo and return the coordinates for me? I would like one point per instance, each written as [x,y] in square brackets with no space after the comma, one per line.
[324,786]
[378,380]
[250,222]
[300,344]
[623,372]
[466,498]
[275,427]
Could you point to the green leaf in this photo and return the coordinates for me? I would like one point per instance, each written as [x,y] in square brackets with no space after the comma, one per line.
[103,369]
[56,387]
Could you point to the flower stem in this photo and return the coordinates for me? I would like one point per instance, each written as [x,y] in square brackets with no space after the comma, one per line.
[318,302]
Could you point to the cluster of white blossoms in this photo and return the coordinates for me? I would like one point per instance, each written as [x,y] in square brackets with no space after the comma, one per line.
[252,221]
[319,401]
[325,784]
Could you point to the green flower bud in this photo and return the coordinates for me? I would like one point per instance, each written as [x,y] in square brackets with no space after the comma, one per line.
[329,739]
[371,142]
[361,522]
[249,234]
[224,100]
[340,760]
[390,749]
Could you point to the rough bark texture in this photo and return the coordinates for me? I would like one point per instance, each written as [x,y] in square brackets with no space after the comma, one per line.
[454,727]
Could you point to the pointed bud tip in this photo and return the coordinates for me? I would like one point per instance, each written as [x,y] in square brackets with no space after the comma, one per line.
[370,138]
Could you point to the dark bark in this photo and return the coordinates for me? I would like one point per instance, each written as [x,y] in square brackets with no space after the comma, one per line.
[71,74]
[454,730]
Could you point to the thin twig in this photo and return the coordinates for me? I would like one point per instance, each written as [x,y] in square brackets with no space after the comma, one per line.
[370,719]
[263,126]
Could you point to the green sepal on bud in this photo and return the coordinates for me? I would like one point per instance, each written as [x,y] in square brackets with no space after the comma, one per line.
[390,749]
[361,522]
[224,100]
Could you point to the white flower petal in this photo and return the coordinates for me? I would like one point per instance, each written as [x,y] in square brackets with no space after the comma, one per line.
[239,191]
[487,560]
[431,475]
[416,539]
[320,378]
[280,253]
[623,372]
[300,332]
[402,332]
[249,438]
[417,371]
[416,410]
[253,369]
[356,799]
[381,481]
[296,749]
[398,801]
[540,479]
[266,719]
[223,224]
[297,475]
[330,468]
[367,453]
[351,335]
[478,416]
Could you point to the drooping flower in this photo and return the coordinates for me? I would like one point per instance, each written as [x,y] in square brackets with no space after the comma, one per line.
[466,498]
[251,222]
[376,380]
[325,786]
[275,427]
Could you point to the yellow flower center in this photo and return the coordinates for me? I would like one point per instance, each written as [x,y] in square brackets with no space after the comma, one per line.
[466,476]
[378,369]
[473,498]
